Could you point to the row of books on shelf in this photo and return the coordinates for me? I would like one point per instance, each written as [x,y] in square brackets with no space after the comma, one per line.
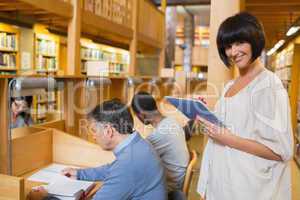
[7,60]
[92,54]
[8,72]
[47,97]
[284,59]
[8,41]
[43,63]
[46,47]
[103,67]
[97,54]
[41,111]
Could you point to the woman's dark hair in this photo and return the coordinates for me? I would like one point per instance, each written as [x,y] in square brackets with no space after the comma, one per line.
[143,102]
[28,99]
[115,113]
[242,27]
[25,114]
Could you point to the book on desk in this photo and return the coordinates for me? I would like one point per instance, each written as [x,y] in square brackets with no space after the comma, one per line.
[59,185]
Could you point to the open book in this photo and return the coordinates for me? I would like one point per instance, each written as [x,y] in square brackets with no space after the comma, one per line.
[191,108]
[59,185]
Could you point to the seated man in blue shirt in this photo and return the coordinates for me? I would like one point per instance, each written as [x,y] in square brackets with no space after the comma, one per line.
[136,174]
[167,138]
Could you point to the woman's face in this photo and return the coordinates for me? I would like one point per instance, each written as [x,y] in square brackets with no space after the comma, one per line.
[19,106]
[240,54]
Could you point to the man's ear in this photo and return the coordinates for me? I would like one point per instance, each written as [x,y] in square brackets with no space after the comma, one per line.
[109,131]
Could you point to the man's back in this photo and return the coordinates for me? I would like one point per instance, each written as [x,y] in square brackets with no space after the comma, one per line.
[136,174]
[168,139]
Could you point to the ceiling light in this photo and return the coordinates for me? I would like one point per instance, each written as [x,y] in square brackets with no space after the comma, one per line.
[276,46]
[270,52]
[292,30]
[279,44]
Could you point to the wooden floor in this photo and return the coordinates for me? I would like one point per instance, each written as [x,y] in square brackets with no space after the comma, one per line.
[197,144]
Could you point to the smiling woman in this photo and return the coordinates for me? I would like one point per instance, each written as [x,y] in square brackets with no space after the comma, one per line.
[249,158]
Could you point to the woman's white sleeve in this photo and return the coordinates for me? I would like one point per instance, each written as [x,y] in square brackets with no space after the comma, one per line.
[272,120]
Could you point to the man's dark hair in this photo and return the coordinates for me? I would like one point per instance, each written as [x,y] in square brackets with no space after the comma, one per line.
[143,102]
[242,27]
[115,113]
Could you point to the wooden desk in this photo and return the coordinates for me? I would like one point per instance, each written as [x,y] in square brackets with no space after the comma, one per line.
[30,184]
[37,148]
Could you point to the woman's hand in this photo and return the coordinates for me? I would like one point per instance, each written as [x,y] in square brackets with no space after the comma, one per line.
[219,134]
[202,99]
[225,137]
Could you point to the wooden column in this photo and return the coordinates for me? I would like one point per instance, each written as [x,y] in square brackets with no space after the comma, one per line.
[74,32]
[235,70]
[4,127]
[134,42]
[133,50]
[74,105]
[218,74]
[163,49]
[163,5]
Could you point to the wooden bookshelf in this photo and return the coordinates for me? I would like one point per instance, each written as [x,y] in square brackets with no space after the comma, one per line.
[286,65]
[9,49]
[46,51]
[114,60]
[43,105]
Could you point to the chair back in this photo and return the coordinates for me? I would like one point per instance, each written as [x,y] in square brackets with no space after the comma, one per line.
[189,172]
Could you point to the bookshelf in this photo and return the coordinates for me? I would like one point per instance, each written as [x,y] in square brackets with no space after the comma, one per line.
[296,106]
[286,66]
[112,61]
[9,49]
[46,53]
[283,66]
[44,105]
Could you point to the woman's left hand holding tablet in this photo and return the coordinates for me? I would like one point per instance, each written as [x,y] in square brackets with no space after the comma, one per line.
[219,134]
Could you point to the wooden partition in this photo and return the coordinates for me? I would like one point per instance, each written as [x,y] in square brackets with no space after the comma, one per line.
[4,126]
[57,124]
[150,24]
[11,188]
[118,89]
[31,149]
[196,87]
[36,148]
[67,148]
